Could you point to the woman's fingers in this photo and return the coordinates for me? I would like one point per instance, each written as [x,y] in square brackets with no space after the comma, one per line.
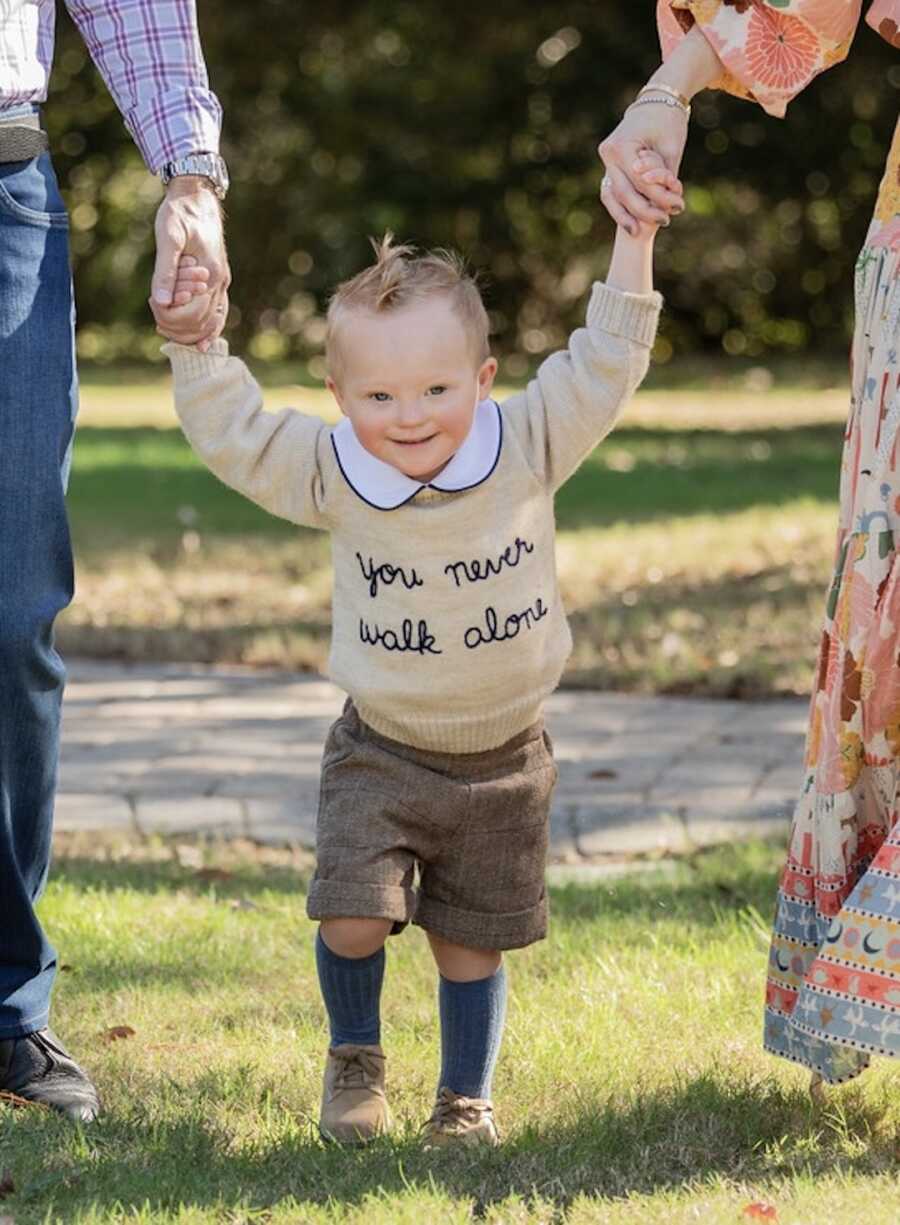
[633,201]
[619,214]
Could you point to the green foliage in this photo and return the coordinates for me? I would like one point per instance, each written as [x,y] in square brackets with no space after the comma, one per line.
[476,128]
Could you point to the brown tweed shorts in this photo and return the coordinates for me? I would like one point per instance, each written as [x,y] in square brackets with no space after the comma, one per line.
[454,842]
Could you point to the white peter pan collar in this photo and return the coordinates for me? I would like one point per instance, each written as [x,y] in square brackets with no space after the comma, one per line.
[385,487]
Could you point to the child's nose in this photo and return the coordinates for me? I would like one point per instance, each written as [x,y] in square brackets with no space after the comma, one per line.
[411,411]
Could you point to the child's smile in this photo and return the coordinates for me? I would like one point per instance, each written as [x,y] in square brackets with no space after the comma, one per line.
[409,384]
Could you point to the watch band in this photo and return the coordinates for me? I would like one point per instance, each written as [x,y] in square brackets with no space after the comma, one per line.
[208,165]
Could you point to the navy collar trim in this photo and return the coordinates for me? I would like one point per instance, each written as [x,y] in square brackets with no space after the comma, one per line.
[384,487]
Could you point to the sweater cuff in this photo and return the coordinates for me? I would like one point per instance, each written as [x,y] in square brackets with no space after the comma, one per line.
[188,363]
[632,315]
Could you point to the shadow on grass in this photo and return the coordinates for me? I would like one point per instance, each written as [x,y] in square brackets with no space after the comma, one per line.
[232,883]
[711,890]
[132,482]
[708,882]
[700,472]
[304,643]
[655,1141]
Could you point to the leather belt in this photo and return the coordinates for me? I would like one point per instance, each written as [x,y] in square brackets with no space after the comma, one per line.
[21,138]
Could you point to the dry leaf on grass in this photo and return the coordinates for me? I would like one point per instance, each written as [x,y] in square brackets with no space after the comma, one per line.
[760,1211]
[13,1099]
[115,1032]
[213,874]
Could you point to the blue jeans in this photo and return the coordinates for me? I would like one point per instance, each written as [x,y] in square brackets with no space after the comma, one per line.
[38,398]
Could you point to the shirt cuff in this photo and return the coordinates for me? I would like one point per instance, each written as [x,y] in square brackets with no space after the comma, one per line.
[632,315]
[189,363]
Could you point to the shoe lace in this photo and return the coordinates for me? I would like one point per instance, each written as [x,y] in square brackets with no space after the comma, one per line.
[358,1070]
[453,1109]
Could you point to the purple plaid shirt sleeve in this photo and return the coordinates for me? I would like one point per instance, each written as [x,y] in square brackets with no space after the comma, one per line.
[149,54]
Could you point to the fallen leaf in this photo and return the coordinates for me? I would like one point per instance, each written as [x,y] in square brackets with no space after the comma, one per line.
[118,1031]
[7,1186]
[604,774]
[761,1211]
[63,968]
[13,1099]
[213,874]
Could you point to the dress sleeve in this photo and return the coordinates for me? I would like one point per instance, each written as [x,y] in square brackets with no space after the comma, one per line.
[770,54]
[884,16]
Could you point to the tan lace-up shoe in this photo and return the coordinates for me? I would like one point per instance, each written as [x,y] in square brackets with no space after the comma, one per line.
[354,1106]
[457,1119]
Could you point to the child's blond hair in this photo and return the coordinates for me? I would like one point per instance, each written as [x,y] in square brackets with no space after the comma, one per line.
[399,277]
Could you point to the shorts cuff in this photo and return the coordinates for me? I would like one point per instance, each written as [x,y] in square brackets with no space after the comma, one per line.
[478,930]
[340,899]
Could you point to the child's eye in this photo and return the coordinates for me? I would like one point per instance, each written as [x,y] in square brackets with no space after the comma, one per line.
[437,390]
[381,397]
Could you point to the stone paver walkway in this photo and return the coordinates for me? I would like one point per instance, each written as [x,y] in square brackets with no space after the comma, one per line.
[180,749]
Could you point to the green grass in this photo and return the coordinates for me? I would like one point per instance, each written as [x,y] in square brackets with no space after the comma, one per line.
[694,546]
[632,1086]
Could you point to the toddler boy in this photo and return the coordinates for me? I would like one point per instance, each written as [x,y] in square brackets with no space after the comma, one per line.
[448,633]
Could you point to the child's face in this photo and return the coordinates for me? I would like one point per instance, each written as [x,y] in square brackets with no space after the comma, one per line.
[410,385]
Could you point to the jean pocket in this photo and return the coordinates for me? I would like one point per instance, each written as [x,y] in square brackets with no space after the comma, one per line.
[29,193]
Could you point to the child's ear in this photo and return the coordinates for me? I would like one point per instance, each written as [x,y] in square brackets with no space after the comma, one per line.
[486,376]
[335,391]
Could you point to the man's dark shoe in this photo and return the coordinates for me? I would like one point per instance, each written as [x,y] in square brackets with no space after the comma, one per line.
[39,1069]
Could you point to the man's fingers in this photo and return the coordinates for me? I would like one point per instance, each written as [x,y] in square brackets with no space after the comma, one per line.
[165,273]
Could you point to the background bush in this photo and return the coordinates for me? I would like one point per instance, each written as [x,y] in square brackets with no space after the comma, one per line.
[476,128]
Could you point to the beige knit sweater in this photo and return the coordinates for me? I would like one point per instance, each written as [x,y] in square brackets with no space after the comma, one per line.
[448,628]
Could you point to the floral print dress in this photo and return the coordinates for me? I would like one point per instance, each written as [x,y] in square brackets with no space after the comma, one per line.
[833,985]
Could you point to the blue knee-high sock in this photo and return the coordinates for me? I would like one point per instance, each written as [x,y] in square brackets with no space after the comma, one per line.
[351,989]
[472,1019]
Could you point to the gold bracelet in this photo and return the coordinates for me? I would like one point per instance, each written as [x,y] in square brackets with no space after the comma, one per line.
[670,102]
[667,89]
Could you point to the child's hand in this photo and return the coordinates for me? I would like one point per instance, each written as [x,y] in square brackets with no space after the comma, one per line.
[190,281]
[649,167]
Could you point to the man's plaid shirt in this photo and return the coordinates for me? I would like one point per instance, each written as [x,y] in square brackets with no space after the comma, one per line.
[149,54]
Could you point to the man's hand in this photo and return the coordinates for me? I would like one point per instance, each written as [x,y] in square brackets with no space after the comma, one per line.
[189,223]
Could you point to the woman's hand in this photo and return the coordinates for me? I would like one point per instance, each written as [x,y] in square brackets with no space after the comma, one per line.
[630,198]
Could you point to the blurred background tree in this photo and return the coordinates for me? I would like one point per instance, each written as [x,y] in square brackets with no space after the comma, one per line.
[476,129]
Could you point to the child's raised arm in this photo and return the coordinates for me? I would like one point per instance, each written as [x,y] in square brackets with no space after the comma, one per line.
[275,459]
[631,268]
[578,393]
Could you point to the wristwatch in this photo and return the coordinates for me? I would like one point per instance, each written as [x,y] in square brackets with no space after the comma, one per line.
[209,165]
